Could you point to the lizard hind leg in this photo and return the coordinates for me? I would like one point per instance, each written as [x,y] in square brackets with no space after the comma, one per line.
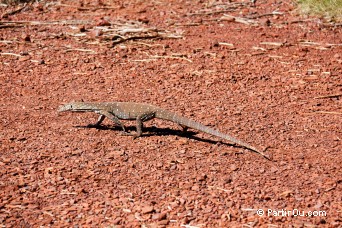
[140,119]
[184,128]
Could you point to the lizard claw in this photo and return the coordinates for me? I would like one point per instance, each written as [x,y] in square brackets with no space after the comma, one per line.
[135,136]
[268,157]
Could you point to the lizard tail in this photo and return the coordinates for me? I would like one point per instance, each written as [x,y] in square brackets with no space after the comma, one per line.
[166,115]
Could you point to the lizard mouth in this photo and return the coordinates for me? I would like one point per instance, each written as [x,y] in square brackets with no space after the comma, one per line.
[79,110]
[74,108]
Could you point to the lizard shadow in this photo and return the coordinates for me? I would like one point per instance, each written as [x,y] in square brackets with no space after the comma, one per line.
[187,134]
[157,131]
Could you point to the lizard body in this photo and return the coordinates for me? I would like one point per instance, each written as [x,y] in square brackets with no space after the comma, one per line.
[141,112]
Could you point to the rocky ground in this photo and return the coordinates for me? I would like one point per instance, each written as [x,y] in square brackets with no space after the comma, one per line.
[262,73]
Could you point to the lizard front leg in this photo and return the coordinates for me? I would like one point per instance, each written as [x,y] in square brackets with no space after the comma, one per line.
[104,114]
[184,128]
[99,121]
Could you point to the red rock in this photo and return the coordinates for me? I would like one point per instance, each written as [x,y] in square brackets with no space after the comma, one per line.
[103,22]
[159,216]
[147,209]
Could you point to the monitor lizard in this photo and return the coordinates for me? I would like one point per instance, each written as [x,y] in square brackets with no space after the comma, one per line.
[141,112]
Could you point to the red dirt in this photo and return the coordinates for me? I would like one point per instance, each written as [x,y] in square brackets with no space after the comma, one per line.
[261,82]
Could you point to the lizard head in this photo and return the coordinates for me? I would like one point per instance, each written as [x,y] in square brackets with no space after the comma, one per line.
[76,107]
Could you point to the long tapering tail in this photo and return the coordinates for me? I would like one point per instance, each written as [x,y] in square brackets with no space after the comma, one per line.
[170,116]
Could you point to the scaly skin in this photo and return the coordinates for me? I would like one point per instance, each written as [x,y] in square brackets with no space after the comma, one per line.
[141,112]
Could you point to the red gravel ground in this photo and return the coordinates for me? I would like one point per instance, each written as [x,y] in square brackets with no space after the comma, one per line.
[267,76]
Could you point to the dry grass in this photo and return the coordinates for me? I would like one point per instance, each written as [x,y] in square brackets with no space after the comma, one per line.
[331,9]
[14,2]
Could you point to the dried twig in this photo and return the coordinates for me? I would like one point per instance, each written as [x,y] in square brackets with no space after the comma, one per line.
[142,60]
[86,8]
[81,50]
[258,48]
[8,53]
[279,44]
[6,41]
[5,15]
[329,96]
[11,26]
[266,14]
[189,226]
[187,24]
[226,44]
[171,57]
[245,21]
[326,112]
[212,12]
[64,22]
[151,45]
[124,39]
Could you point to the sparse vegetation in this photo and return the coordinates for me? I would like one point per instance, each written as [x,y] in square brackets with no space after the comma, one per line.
[331,9]
[14,2]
